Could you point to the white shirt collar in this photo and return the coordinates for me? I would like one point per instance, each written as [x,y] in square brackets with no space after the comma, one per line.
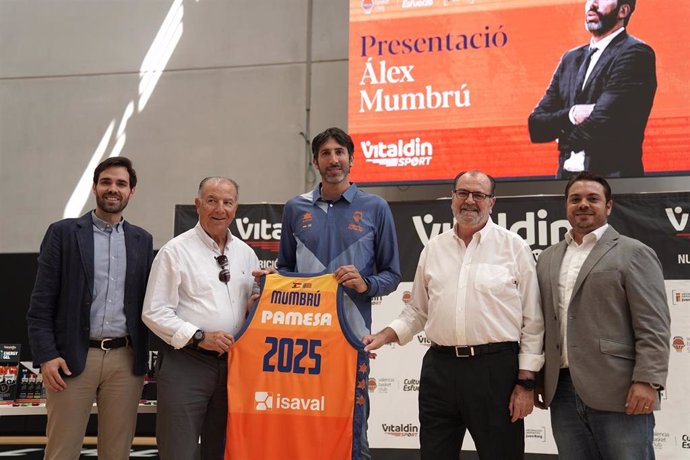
[594,236]
[208,241]
[482,233]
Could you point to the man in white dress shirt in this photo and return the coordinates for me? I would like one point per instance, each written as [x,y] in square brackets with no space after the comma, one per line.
[196,301]
[475,295]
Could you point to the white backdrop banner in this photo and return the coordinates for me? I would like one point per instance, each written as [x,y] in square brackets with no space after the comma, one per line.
[660,220]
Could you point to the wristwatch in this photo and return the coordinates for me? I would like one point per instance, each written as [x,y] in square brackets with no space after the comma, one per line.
[197,338]
[526,383]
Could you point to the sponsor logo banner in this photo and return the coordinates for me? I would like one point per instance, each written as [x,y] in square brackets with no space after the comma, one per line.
[401,430]
[660,220]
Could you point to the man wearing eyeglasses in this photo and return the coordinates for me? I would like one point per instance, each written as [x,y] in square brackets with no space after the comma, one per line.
[84,319]
[196,301]
[475,295]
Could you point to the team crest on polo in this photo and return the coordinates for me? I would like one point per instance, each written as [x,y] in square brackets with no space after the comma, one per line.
[357,218]
[306,220]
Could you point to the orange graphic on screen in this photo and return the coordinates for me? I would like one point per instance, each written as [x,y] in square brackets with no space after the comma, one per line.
[441,86]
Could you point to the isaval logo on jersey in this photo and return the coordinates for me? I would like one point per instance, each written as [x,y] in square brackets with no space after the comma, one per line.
[266,401]
[263,400]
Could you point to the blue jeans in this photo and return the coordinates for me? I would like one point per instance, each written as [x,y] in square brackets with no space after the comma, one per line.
[365,452]
[583,433]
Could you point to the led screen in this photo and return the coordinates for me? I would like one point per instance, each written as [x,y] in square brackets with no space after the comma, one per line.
[440,86]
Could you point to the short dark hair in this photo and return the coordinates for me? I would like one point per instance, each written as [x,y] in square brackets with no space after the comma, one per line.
[588,176]
[632,8]
[116,162]
[337,134]
[474,172]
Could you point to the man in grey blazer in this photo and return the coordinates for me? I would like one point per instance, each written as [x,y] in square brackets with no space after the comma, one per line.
[607,332]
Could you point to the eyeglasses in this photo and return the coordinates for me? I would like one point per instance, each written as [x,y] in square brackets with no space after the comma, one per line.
[224,275]
[476,196]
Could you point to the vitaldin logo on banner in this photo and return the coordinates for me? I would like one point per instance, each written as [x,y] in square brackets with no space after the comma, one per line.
[677,218]
[679,221]
[400,429]
[534,228]
[262,235]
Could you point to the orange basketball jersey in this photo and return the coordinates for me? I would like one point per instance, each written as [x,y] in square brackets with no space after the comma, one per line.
[296,376]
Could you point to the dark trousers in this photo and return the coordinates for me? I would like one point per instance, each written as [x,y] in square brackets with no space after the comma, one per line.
[192,403]
[459,394]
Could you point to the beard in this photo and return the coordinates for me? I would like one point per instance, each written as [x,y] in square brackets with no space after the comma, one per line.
[335,176]
[606,22]
[469,218]
[111,208]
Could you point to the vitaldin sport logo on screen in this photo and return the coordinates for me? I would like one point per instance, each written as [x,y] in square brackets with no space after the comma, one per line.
[400,153]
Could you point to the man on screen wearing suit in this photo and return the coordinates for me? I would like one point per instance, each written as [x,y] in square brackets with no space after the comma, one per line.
[600,96]
[607,333]
[85,327]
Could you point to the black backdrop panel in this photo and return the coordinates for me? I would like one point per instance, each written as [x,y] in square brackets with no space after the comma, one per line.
[660,220]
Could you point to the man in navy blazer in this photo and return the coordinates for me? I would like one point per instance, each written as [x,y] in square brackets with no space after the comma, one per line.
[607,333]
[600,97]
[84,319]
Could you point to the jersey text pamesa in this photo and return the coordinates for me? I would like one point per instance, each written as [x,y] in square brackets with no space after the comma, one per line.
[300,299]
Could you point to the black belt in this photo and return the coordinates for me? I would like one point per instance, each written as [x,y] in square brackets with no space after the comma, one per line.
[110,343]
[207,352]
[470,351]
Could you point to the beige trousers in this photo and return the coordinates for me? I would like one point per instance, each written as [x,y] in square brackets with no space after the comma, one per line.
[108,380]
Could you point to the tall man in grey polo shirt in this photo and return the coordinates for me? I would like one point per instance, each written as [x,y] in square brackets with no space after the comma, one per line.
[85,327]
